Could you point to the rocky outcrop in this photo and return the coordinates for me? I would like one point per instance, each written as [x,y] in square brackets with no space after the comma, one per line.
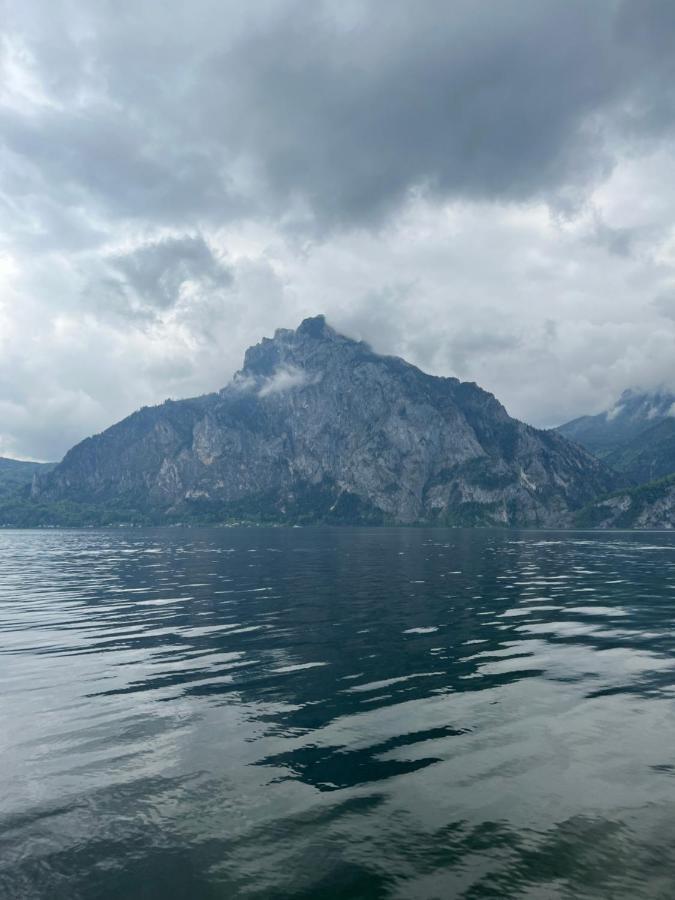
[318,427]
[647,506]
[15,474]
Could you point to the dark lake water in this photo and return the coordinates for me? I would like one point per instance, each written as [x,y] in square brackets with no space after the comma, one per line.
[336,713]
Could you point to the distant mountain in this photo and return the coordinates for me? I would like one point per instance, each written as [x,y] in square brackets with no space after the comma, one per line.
[316,427]
[16,474]
[630,417]
[649,456]
[636,437]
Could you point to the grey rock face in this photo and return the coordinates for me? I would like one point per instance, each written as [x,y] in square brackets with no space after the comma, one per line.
[649,505]
[317,427]
[15,474]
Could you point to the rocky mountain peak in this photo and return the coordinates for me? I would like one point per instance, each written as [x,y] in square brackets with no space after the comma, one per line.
[640,405]
[316,327]
[312,346]
[318,427]
[625,421]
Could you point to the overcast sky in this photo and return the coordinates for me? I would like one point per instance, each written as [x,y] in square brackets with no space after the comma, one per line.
[485,188]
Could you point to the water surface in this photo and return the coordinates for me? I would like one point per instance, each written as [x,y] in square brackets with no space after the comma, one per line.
[336,713]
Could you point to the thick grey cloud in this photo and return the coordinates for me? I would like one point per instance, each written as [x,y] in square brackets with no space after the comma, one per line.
[463,99]
[158,272]
[469,99]
[665,304]
[483,187]
[332,113]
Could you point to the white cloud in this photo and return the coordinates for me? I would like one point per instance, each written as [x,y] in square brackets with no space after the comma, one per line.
[285,378]
[513,228]
[529,307]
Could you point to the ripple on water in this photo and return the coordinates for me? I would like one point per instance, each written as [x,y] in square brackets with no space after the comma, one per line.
[336,712]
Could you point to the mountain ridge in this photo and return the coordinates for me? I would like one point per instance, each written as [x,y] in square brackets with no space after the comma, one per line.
[636,436]
[17,473]
[317,427]
[634,411]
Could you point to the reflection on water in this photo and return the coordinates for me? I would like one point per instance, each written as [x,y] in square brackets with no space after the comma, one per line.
[336,713]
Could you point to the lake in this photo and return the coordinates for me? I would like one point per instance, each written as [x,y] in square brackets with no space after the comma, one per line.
[336,713]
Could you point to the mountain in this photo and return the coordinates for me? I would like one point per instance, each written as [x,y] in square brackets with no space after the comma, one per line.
[649,456]
[645,506]
[16,474]
[316,427]
[618,426]
[636,437]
